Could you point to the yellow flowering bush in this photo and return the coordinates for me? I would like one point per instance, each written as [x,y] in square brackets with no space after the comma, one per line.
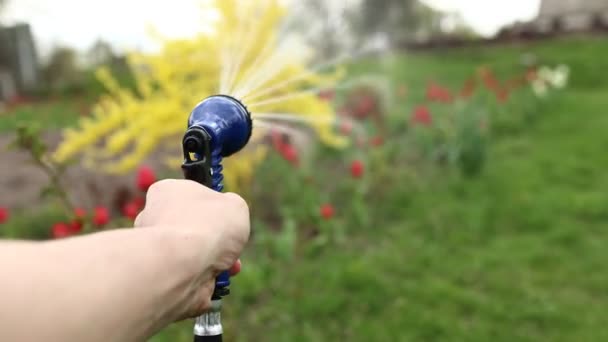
[241,55]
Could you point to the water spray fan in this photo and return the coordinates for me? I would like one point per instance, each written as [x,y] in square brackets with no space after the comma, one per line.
[218,127]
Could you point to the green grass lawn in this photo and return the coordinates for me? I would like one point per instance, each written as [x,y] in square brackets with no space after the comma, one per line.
[50,115]
[515,254]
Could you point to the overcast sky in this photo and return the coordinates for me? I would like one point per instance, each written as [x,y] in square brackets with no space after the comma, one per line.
[79,23]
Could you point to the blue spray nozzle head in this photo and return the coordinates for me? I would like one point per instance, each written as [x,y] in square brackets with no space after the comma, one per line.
[226,120]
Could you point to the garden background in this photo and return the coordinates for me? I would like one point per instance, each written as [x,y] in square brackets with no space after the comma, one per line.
[468,200]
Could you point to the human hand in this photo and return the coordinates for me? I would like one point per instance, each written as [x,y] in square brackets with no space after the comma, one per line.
[215,225]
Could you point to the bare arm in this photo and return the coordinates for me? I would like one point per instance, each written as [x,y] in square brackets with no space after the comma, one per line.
[122,285]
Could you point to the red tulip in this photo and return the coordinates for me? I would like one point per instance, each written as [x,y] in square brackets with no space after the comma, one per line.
[17,100]
[327,95]
[286,150]
[502,95]
[4,215]
[145,178]
[365,106]
[140,202]
[101,216]
[61,230]
[435,92]
[277,140]
[346,127]
[77,223]
[80,214]
[488,78]
[422,116]
[468,88]
[290,154]
[327,211]
[531,75]
[130,210]
[76,226]
[356,169]
[377,141]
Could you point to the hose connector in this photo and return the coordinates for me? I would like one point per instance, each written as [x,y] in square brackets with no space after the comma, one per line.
[210,323]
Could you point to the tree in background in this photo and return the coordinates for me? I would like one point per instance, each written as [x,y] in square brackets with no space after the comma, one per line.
[453,24]
[101,53]
[323,24]
[398,20]
[61,70]
[337,27]
[2,7]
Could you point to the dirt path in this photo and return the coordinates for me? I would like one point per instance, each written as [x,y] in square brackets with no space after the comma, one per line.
[21,181]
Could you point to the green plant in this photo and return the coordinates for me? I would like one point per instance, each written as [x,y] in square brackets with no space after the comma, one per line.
[28,139]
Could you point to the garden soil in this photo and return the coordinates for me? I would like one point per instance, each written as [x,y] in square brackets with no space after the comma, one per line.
[21,181]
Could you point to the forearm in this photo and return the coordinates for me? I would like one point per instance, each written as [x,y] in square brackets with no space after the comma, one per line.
[115,286]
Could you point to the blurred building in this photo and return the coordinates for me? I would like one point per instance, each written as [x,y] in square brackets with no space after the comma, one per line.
[563,16]
[19,71]
[572,15]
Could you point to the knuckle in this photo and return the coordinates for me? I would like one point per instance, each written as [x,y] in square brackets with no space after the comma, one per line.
[237,201]
[158,187]
[139,220]
[241,217]
[163,186]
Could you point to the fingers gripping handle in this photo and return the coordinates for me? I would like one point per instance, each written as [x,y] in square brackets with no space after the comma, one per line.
[203,165]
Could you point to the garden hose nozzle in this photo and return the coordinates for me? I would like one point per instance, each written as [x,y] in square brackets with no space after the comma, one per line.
[218,127]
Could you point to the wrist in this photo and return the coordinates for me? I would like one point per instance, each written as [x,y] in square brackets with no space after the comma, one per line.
[188,259]
[186,251]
